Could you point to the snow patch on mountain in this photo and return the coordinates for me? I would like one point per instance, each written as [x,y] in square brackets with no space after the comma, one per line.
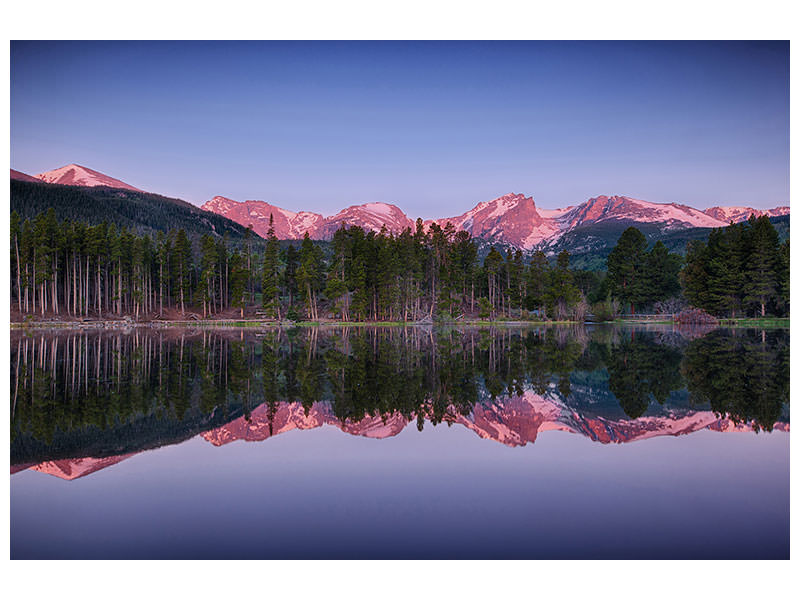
[380,208]
[623,208]
[82,176]
[737,214]
[511,219]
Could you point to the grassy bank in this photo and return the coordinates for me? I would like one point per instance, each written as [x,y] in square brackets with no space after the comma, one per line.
[767,322]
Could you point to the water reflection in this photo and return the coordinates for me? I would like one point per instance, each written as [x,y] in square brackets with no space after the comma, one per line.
[744,374]
[85,400]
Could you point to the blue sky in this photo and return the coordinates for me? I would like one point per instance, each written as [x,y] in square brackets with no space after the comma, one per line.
[434,127]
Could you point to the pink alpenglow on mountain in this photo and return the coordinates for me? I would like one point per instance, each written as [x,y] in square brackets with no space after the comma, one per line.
[288,225]
[511,420]
[736,214]
[262,425]
[20,176]
[78,467]
[605,208]
[512,219]
[372,216]
[82,176]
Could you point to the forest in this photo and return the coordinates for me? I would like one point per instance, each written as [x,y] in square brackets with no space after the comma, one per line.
[742,269]
[139,212]
[67,268]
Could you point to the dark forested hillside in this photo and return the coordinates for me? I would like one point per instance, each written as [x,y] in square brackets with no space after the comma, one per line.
[139,212]
[589,246]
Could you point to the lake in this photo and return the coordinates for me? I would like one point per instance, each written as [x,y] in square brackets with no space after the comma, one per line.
[555,442]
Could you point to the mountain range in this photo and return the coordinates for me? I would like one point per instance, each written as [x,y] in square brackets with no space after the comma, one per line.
[511,220]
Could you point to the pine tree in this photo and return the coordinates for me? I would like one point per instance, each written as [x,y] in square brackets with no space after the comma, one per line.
[465,254]
[248,258]
[561,295]
[162,252]
[784,275]
[537,276]
[27,243]
[662,269]
[762,265]
[309,276]
[695,275]
[516,280]
[16,266]
[270,280]
[290,281]
[726,277]
[137,275]
[492,266]
[386,272]
[239,277]
[42,264]
[357,275]
[222,268]
[626,268]
[183,263]
[207,285]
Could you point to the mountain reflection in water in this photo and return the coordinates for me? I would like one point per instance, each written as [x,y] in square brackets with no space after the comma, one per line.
[85,400]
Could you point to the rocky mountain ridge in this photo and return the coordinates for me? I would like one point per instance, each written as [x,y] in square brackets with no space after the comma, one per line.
[512,219]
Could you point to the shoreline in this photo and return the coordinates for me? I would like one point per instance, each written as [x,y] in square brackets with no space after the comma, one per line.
[247,323]
[262,324]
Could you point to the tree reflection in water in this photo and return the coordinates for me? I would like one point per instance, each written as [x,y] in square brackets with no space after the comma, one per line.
[741,373]
[96,393]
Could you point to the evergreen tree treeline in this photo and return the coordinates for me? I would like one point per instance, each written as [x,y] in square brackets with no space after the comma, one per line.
[139,212]
[73,269]
[743,269]
[640,277]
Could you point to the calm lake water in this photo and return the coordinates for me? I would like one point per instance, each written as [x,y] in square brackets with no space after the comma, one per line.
[536,442]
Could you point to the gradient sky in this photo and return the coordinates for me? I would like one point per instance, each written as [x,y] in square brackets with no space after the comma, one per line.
[434,127]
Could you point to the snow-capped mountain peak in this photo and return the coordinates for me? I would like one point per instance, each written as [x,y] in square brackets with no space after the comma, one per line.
[512,219]
[82,176]
[623,208]
[287,224]
[372,216]
[727,214]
